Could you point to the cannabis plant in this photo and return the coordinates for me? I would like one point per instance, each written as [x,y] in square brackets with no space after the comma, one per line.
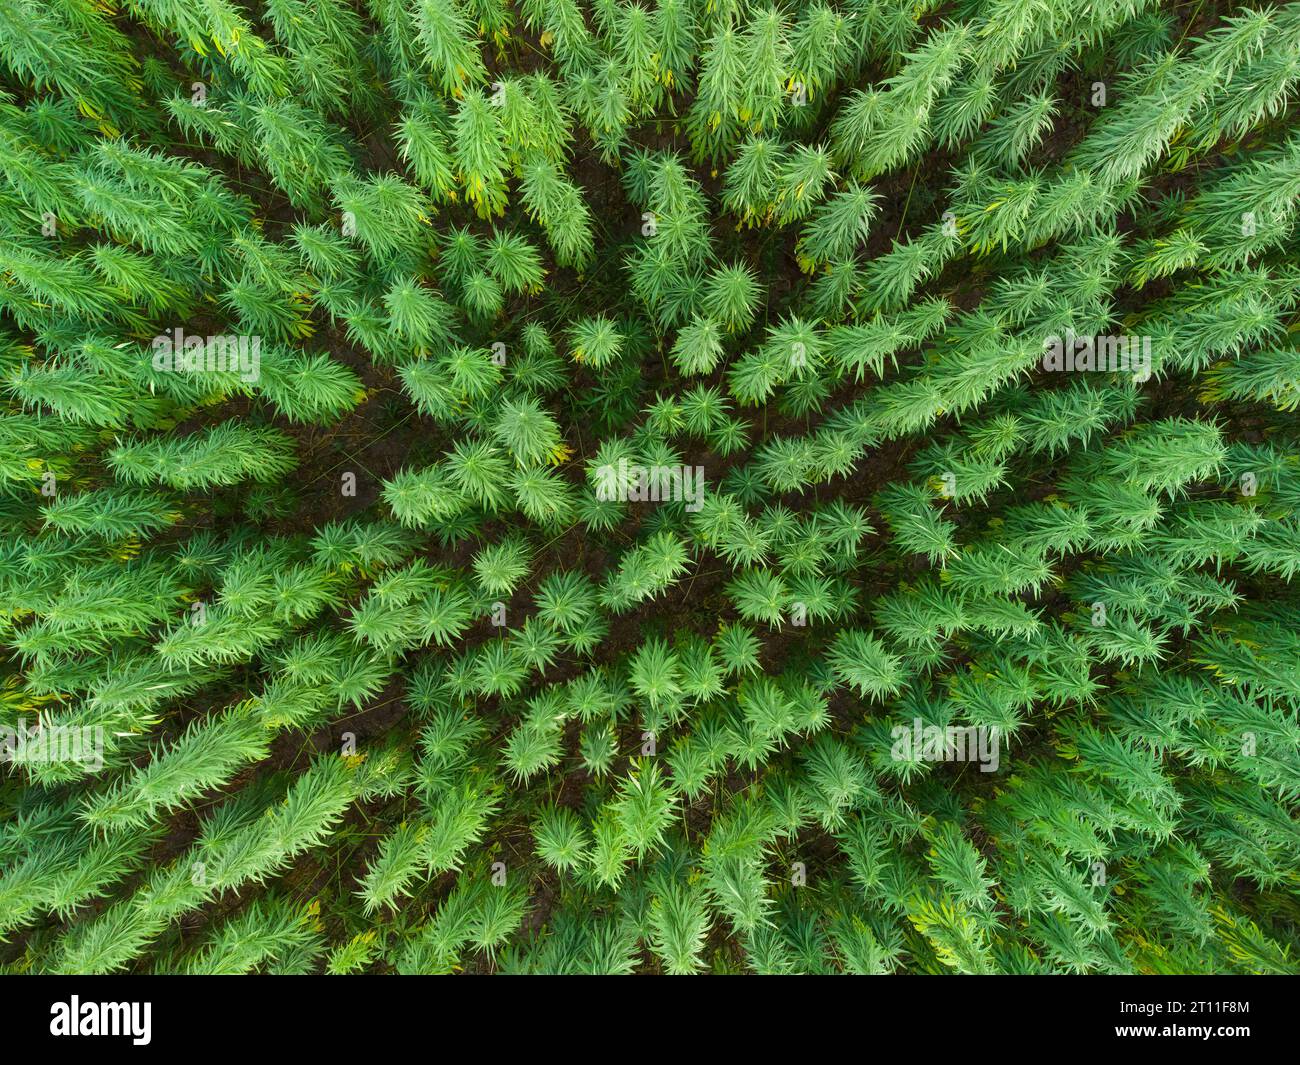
[664,486]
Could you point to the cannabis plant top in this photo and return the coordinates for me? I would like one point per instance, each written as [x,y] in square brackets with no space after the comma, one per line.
[663,486]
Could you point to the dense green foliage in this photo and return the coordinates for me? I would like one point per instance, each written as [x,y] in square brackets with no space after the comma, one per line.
[393,669]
